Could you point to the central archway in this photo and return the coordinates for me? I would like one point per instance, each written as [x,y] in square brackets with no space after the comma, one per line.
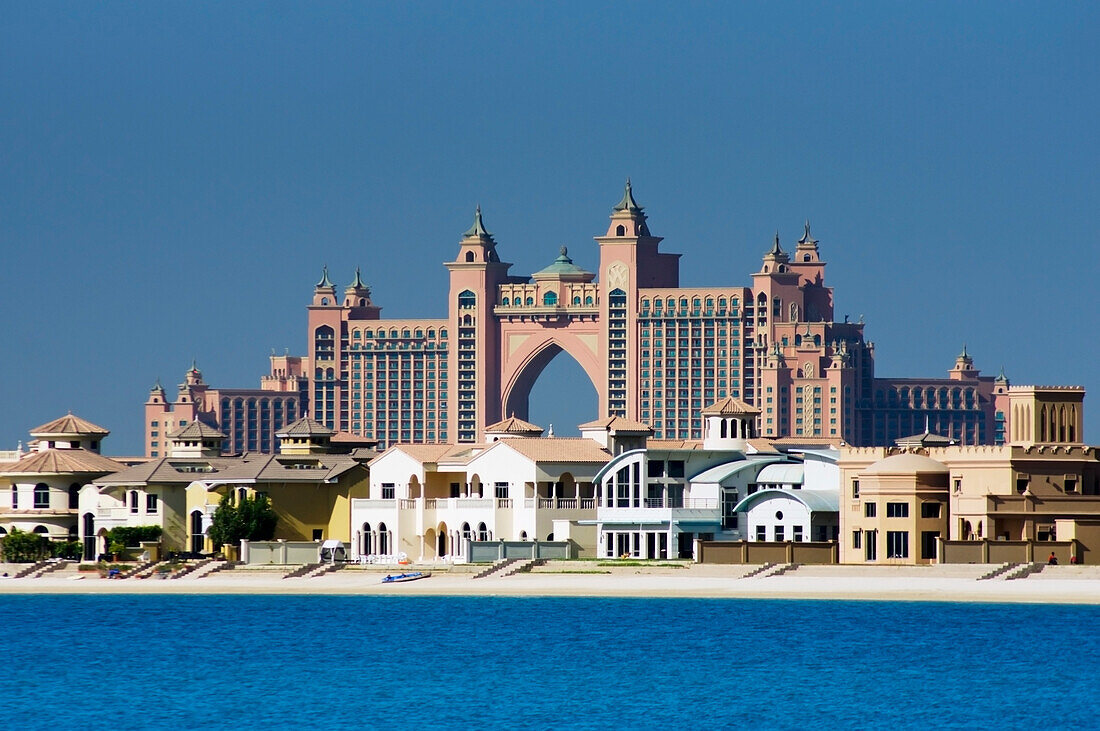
[524,369]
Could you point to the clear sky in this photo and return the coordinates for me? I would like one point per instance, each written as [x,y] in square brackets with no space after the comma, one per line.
[174,175]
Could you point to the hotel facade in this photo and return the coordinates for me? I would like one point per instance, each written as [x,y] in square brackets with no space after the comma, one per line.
[655,351]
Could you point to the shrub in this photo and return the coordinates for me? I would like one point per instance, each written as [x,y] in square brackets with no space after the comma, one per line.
[252,519]
[122,537]
[21,547]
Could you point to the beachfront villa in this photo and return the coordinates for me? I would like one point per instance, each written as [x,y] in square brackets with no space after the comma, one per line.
[903,505]
[428,501]
[42,488]
[614,492]
[657,500]
[308,484]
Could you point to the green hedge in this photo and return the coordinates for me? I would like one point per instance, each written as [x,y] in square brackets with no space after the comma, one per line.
[22,547]
[126,536]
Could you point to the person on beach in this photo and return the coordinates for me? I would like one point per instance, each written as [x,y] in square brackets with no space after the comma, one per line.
[1053,560]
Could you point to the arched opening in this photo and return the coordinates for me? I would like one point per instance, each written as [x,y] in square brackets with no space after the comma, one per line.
[198,538]
[383,540]
[482,532]
[553,390]
[442,550]
[89,537]
[429,544]
[41,495]
[366,541]
[469,256]
[74,496]
[620,230]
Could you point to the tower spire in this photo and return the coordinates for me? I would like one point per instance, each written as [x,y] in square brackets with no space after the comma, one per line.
[628,203]
[325,282]
[776,249]
[478,228]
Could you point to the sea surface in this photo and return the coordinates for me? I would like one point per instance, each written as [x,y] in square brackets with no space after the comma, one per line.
[302,662]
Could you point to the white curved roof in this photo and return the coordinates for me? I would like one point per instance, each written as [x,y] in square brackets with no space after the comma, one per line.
[782,474]
[818,501]
[718,473]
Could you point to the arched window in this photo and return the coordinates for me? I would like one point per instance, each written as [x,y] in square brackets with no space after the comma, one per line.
[550,299]
[504,301]
[15,497]
[133,501]
[482,532]
[324,300]
[383,539]
[393,333]
[529,301]
[588,301]
[442,333]
[576,300]
[405,332]
[469,256]
[41,495]
[431,334]
[620,230]
[466,299]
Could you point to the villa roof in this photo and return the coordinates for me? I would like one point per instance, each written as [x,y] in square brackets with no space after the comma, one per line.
[673,444]
[422,453]
[558,449]
[729,406]
[246,468]
[718,473]
[60,462]
[782,474]
[925,439]
[906,464]
[618,424]
[69,424]
[196,430]
[512,425]
[305,427]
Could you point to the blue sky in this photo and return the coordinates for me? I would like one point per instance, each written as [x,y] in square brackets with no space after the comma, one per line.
[173,175]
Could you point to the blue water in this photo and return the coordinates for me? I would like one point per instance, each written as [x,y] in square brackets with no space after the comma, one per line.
[273,662]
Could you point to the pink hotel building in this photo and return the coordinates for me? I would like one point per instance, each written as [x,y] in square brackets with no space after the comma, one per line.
[656,352]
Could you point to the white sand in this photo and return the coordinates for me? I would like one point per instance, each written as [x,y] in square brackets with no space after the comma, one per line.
[1063,585]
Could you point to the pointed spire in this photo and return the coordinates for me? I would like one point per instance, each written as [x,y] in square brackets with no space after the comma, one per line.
[478,228]
[325,282]
[964,354]
[628,203]
[194,364]
[776,249]
[158,387]
[357,283]
[1001,377]
[807,238]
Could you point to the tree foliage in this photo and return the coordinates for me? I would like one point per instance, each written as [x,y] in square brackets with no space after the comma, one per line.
[129,536]
[250,519]
[22,547]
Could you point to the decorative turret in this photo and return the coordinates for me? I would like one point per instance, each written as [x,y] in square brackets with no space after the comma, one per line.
[193,377]
[324,292]
[964,366]
[806,251]
[775,260]
[305,436]
[357,297]
[196,440]
[628,219]
[729,424]
[477,243]
[157,394]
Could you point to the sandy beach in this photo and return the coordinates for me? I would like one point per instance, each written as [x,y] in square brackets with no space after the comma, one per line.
[1055,584]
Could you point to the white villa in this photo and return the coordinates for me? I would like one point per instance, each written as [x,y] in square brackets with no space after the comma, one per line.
[613,491]
[43,487]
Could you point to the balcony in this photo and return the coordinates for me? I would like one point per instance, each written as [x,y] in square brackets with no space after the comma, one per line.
[661,510]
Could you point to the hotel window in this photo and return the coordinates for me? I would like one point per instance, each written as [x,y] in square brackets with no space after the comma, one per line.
[500,489]
[150,503]
[897,544]
[897,510]
[869,510]
[929,510]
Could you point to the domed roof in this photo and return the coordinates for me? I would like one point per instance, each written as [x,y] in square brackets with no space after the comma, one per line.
[906,464]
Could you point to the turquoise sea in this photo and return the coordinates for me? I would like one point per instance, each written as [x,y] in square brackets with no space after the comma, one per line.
[274,662]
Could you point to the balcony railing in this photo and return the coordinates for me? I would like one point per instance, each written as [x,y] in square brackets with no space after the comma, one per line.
[566,503]
[699,503]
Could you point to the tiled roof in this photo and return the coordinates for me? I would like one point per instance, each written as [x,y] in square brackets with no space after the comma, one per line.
[420,452]
[673,444]
[62,461]
[305,427]
[512,425]
[729,406]
[196,430]
[70,424]
[558,449]
[618,424]
[252,467]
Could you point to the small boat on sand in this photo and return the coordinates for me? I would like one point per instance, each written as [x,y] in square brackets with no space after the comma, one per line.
[406,577]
